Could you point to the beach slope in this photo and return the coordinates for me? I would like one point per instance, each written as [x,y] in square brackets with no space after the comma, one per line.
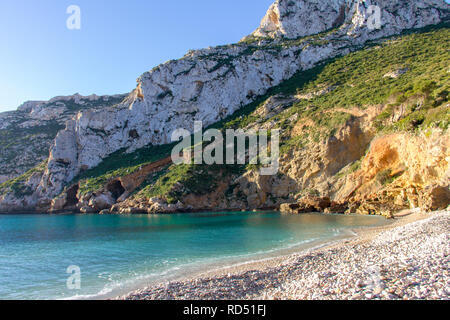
[408,259]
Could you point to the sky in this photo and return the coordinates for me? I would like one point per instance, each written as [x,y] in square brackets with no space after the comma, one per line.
[118,40]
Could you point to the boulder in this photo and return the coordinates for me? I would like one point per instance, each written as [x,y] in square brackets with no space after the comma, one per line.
[58,204]
[102,201]
[290,208]
[434,198]
[313,203]
[306,204]
[336,207]
[367,208]
[131,210]
[87,210]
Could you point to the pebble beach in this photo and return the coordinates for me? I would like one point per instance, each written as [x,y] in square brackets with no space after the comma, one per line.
[407,259]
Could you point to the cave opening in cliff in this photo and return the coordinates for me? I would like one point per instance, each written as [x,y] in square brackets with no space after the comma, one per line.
[116,188]
[71,196]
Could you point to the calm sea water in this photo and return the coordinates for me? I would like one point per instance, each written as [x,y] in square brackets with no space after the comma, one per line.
[118,253]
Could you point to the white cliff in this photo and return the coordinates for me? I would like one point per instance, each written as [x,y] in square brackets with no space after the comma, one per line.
[293,19]
[27,133]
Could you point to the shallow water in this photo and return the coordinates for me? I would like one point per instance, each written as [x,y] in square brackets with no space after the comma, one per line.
[118,253]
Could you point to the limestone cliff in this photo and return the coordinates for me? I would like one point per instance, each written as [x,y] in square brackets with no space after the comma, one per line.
[27,133]
[293,19]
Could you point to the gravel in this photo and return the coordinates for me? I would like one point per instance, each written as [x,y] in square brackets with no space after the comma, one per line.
[404,262]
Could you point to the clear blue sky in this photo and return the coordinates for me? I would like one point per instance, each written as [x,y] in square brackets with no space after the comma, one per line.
[118,41]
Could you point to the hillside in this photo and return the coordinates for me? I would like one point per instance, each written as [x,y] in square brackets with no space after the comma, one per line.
[27,133]
[363,116]
[329,136]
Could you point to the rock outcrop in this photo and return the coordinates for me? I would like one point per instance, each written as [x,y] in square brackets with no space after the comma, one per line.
[27,133]
[307,204]
[400,171]
[294,19]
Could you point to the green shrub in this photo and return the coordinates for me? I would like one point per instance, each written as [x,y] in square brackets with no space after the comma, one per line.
[384,177]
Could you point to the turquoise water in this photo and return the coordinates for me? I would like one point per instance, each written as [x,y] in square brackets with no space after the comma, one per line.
[118,253]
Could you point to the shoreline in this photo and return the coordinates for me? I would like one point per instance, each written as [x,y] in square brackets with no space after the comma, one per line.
[268,278]
[197,270]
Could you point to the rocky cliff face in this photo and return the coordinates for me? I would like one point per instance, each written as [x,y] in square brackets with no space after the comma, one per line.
[213,83]
[27,133]
[354,170]
[293,19]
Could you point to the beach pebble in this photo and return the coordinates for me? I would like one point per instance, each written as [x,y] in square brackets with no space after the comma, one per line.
[406,261]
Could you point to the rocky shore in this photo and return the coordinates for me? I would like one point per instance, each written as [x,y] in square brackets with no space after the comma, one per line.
[408,259]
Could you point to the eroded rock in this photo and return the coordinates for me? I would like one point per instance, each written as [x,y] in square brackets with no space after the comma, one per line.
[435,198]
